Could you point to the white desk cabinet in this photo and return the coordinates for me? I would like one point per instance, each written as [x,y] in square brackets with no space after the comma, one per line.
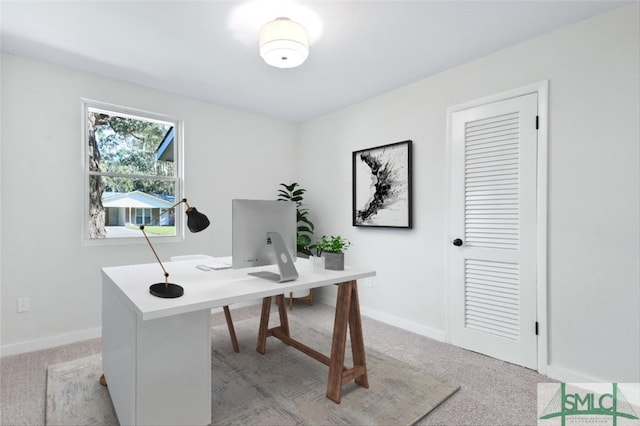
[158,371]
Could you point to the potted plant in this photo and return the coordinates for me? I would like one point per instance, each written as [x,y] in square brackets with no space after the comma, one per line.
[332,250]
[293,192]
[304,232]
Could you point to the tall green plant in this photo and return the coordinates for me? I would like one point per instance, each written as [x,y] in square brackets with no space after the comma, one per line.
[293,192]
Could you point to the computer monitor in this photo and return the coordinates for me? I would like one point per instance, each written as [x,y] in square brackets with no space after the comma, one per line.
[264,233]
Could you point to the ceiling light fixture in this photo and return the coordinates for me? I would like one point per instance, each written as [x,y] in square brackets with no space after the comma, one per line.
[284,43]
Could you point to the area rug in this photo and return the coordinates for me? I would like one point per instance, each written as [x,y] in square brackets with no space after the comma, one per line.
[282,387]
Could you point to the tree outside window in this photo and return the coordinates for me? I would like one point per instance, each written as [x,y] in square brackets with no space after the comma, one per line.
[132,174]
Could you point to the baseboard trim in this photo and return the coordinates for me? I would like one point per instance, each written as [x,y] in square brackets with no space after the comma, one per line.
[394,321]
[49,342]
[570,376]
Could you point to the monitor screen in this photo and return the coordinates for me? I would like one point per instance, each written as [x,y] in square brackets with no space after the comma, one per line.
[251,221]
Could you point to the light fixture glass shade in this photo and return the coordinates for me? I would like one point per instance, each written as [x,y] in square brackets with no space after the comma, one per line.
[284,43]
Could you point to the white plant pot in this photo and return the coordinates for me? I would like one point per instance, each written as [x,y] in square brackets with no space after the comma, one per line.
[317,263]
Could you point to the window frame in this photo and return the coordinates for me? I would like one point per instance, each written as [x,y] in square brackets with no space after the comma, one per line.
[178,178]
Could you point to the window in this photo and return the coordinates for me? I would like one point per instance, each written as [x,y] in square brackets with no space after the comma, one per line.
[132,173]
[143,216]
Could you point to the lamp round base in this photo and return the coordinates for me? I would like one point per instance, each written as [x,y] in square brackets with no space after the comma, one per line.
[167,291]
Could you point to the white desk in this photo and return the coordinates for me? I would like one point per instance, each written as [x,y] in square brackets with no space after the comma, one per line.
[156,353]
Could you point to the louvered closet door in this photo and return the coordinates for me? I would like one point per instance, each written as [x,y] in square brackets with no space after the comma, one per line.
[493,218]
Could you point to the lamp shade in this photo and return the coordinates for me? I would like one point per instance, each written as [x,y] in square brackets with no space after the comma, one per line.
[196,221]
[284,43]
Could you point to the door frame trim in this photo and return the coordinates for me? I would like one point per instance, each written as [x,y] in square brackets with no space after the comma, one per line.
[542,90]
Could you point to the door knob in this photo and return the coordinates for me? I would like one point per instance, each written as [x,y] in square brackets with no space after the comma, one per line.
[457,242]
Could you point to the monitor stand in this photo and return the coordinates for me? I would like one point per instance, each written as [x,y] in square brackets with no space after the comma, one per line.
[286,267]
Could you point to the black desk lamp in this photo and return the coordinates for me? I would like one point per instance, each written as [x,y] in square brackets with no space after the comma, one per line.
[196,222]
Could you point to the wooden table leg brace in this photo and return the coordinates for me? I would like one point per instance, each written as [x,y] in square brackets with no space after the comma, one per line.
[347,315]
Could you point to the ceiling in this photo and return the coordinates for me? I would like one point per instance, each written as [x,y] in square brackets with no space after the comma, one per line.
[209,49]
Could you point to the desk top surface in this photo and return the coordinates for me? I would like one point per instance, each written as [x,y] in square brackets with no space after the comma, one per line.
[214,288]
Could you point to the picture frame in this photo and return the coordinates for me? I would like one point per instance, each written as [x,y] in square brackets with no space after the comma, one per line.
[382,187]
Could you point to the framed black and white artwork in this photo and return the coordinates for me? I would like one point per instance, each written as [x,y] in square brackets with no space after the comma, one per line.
[382,186]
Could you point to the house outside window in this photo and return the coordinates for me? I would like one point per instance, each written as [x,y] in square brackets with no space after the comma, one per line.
[133,173]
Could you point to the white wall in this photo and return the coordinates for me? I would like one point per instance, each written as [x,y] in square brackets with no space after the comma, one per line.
[228,154]
[594,195]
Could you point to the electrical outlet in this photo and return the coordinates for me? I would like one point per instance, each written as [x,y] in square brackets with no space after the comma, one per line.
[367,282]
[23,305]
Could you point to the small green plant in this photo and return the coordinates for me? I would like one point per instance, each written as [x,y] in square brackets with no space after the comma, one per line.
[305,227]
[334,244]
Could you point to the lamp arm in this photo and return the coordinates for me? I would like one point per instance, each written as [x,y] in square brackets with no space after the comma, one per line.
[154,220]
[166,274]
[184,200]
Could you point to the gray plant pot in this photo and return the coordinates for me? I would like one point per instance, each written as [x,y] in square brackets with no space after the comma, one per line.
[333,261]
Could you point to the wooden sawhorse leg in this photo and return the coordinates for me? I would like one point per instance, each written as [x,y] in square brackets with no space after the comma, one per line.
[264,331]
[347,312]
[232,330]
[347,316]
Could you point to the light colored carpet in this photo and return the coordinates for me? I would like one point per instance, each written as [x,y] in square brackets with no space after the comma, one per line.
[282,387]
[75,396]
[492,392]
